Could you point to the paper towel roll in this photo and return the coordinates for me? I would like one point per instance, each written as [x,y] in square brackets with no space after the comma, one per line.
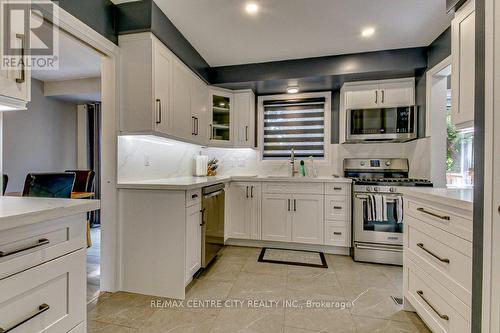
[201,162]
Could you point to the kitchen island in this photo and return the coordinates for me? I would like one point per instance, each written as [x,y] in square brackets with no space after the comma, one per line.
[42,263]
[437,264]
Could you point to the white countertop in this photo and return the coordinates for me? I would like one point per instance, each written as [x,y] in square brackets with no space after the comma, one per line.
[19,211]
[460,198]
[189,183]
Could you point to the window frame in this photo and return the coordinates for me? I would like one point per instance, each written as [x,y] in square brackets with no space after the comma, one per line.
[327,95]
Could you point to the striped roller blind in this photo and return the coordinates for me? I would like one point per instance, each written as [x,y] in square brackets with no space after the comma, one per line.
[297,124]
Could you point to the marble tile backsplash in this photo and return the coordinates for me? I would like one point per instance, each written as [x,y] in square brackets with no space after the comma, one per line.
[149,157]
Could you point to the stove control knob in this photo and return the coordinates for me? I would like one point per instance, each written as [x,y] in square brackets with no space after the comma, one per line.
[392,190]
[362,163]
[368,189]
[387,163]
[376,189]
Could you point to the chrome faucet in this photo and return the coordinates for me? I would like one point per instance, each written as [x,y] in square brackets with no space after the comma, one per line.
[293,169]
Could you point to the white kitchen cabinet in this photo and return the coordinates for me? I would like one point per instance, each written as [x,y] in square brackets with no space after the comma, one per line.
[244,201]
[221,116]
[362,96]
[162,70]
[199,110]
[307,218]
[15,84]
[379,94]
[338,207]
[244,111]
[182,125]
[293,217]
[193,240]
[462,66]
[276,217]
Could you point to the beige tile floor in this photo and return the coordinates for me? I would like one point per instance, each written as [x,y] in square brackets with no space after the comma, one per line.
[237,276]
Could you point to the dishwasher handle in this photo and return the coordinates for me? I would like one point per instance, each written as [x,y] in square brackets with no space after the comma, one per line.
[213,194]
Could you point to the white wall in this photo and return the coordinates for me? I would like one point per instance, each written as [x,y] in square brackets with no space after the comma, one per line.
[148,157]
[41,139]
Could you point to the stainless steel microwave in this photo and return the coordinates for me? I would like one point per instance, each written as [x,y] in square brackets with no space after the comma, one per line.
[396,124]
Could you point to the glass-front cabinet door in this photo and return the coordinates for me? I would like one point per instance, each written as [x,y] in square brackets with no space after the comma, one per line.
[222,116]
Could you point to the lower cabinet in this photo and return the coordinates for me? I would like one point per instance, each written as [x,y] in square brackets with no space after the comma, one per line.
[244,208]
[292,218]
[193,240]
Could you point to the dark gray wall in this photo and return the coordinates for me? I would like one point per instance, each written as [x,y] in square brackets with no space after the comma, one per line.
[97,14]
[479,125]
[147,16]
[437,51]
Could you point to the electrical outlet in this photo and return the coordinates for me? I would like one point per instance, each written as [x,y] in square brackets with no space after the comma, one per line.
[147,160]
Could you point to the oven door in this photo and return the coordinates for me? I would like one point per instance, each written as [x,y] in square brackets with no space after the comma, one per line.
[380,232]
[381,124]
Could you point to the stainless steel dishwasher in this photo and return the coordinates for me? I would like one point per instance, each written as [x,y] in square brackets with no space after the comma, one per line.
[212,225]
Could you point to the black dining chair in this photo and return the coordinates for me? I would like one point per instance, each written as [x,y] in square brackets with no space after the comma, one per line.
[5,181]
[84,180]
[49,185]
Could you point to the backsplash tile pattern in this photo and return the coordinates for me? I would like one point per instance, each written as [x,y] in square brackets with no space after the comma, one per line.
[149,157]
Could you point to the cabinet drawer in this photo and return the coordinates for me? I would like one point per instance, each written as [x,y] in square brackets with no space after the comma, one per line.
[450,262]
[31,245]
[441,218]
[299,188]
[440,309]
[338,189]
[337,207]
[50,295]
[193,197]
[338,234]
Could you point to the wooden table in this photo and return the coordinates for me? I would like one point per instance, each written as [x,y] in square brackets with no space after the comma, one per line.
[74,195]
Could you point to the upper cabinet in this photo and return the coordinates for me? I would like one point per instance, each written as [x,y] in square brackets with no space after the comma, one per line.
[15,85]
[379,94]
[462,67]
[221,116]
[244,107]
[162,96]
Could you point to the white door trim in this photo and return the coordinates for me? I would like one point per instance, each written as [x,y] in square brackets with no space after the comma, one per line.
[439,69]
[110,106]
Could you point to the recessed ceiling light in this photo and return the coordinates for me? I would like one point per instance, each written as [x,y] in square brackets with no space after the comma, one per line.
[292,90]
[252,8]
[367,32]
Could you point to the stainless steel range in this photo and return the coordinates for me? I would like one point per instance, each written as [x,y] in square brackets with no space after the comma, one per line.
[378,212]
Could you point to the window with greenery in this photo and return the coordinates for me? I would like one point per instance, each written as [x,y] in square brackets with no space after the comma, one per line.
[460,153]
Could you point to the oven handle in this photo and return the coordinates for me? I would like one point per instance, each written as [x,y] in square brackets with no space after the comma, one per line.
[379,247]
[390,198]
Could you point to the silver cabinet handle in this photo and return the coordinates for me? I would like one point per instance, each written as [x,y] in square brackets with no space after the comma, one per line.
[337,233]
[337,207]
[442,217]
[446,260]
[383,96]
[247,192]
[251,192]
[193,125]
[246,133]
[288,204]
[197,126]
[158,111]
[294,205]
[40,242]
[23,77]
[376,96]
[194,196]
[421,294]
[41,309]
[211,132]
[337,188]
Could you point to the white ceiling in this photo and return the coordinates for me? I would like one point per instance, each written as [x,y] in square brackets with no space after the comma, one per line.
[76,61]
[224,34]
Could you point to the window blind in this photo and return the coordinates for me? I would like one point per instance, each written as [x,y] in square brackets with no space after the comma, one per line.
[297,124]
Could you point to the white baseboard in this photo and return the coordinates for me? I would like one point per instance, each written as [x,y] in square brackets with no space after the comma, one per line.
[290,246]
